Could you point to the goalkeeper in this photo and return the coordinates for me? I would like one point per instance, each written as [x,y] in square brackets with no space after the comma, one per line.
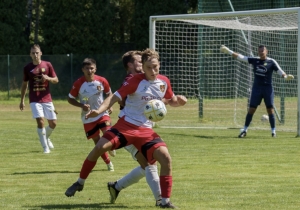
[262,87]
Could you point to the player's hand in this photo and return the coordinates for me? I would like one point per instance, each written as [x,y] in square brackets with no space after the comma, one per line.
[224,49]
[110,110]
[288,77]
[92,113]
[86,107]
[22,106]
[181,100]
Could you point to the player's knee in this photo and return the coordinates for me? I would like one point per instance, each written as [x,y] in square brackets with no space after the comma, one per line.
[269,107]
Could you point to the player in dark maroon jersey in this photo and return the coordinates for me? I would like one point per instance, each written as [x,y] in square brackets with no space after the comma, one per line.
[36,77]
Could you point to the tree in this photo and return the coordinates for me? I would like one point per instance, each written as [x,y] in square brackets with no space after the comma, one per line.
[145,9]
[77,26]
[13,39]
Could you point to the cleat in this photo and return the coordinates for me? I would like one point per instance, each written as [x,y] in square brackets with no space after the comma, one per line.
[242,134]
[112,153]
[110,167]
[50,145]
[169,205]
[46,150]
[158,202]
[72,190]
[112,191]
[274,135]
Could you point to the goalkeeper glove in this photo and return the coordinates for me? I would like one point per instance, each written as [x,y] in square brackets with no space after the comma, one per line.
[288,77]
[226,50]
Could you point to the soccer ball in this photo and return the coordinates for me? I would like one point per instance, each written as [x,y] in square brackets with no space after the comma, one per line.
[155,110]
[264,118]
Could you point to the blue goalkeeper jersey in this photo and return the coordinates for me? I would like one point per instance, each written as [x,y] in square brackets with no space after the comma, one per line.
[263,70]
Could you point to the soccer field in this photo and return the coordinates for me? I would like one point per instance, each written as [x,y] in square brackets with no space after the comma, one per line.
[212,168]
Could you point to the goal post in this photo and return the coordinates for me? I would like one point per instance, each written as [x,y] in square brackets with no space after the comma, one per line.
[217,85]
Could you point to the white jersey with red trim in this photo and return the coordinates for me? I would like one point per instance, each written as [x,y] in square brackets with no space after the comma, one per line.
[139,91]
[90,93]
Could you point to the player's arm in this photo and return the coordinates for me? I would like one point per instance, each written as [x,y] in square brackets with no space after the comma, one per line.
[53,80]
[107,103]
[178,100]
[110,110]
[287,77]
[238,56]
[73,101]
[23,93]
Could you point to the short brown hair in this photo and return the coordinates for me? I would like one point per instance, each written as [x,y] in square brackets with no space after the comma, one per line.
[35,46]
[128,57]
[88,61]
[149,53]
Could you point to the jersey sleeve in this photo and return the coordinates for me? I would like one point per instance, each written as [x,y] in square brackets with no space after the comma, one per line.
[51,70]
[129,86]
[106,85]
[75,89]
[169,92]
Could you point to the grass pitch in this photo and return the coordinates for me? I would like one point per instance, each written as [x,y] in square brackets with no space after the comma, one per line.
[212,168]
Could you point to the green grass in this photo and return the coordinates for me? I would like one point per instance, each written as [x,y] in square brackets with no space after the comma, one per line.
[212,168]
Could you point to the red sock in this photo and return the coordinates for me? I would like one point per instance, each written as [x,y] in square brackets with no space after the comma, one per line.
[165,186]
[105,158]
[86,168]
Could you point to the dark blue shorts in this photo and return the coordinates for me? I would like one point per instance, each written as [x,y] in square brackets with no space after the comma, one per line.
[258,93]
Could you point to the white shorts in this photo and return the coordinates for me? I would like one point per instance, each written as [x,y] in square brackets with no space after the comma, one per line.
[43,110]
[132,150]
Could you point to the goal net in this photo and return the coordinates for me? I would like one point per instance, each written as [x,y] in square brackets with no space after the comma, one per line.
[217,86]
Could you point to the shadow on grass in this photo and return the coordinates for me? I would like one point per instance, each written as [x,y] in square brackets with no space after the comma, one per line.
[79,206]
[50,172]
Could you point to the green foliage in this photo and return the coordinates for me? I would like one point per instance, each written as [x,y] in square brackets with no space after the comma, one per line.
[12,27]
[76,26]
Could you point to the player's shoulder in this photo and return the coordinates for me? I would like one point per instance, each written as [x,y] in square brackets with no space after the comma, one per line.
[99,78]
[80,81]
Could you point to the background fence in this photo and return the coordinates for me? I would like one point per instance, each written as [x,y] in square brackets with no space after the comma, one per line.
[67,68]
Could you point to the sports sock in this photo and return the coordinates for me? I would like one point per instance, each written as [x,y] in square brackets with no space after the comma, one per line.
[86,168]
[105,158]
[153,181]
[272,121]
[81,181]
[48,131]
[166,188]
[248,119]
[42,136]
[131,178]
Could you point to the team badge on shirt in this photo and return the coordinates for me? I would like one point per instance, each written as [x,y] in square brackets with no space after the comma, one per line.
[265,64]
[99,88]
[162,88]
[43,69]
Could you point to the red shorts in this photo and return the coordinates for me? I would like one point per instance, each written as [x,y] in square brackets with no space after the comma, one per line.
[144,139]
[93,129]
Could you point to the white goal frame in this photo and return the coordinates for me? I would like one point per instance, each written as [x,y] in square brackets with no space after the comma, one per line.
[154,19]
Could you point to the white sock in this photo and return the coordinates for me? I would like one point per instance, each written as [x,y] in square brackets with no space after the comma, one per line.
[164,201]
[42,136]
[153,181]
[48,131]
[81,181]
[131,178]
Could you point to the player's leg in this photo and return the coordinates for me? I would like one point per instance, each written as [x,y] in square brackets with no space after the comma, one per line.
[269,102]
[50,115]
[255,100]
[104,156]
[104,125]
[102,146]
[161,154]
[38,114]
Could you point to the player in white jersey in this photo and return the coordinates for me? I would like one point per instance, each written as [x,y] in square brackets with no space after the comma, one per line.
[262,88]
[132,62]
[134,128]
[89,89]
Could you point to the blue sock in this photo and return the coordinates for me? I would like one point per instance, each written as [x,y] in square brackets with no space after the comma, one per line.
[248,119]
[272,122]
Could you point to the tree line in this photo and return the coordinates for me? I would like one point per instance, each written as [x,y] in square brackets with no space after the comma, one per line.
[81,26]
